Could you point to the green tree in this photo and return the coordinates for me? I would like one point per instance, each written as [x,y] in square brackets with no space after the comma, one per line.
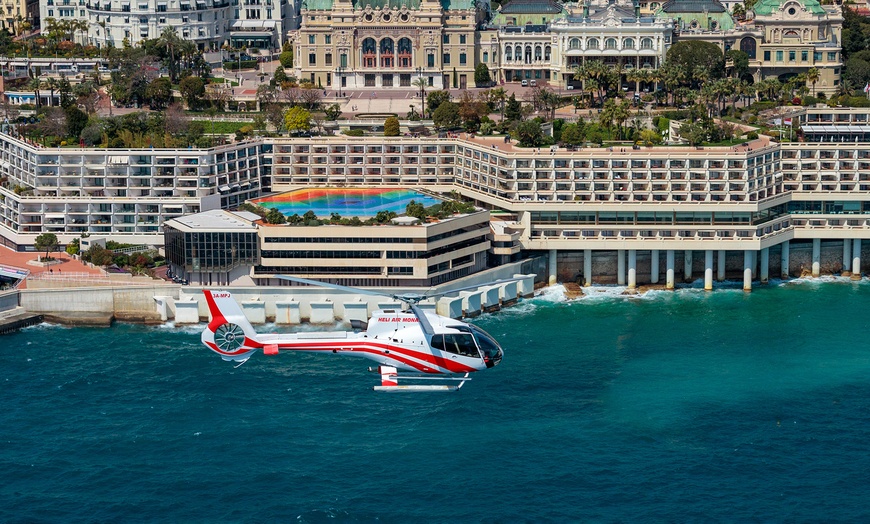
[297,120]
[513,109]
[446,116]
[813,76]
[416,210]
[571,135]
[698,57]
[192,89]
[435,99]
[333,112]
[286,58]
[529,134]
[159,93]
[73,247]
[391,126]
[76,121]
[650,137]
[273,216]
[481,75]
[693,133]
[740,62]
[46,242]
[99,256]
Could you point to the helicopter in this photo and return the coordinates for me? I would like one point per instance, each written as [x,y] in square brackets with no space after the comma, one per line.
[432,352]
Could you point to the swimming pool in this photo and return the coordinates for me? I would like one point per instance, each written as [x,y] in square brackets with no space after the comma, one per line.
[347,202]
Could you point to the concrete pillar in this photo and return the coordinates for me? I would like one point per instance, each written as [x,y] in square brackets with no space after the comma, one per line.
[552,266]
[620,267]
[817,257]
[720,265]
[847,257]
[765,265]
[654,266]
[747,270]
[687,266]
[587,267]
[785,260]
[856,259]
[754,265]
[632,268]
[708,270]
[669,269]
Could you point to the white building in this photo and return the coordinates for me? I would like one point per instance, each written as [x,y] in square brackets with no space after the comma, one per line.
[208,23]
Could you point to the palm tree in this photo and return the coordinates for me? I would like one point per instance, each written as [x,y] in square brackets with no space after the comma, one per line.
[422,84]
[170,40]
[813,76]
[35,84]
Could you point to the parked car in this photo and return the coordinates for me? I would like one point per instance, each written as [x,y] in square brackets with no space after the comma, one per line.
[569,87]
[533,83]
[524,83]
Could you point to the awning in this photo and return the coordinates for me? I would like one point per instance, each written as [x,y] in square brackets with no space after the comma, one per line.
[223,189]
[119,160]
[250,35]
[54,215]
[254,24]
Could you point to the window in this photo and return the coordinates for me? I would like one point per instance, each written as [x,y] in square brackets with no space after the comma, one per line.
[779,56]
[461,39]
[817,56]
[791,56]
[446,59]
[646,43]
[328,59]
[445,39]
[161,20]
[767,56]
[832,57]
[610,43]
[185,19]
[805,55]
[328,39]
[574,43]
[311,39]
[592,43]
[343,60]
[485,57]
[628,43]
[430,60]
[199,17]
[312,59]
[461,58]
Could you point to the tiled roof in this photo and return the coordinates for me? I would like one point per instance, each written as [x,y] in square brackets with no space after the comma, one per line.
[693,6]
[531,7]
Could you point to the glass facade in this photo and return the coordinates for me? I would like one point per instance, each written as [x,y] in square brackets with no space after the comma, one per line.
[212,251]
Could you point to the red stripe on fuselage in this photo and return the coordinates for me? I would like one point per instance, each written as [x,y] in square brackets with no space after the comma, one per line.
[361,346]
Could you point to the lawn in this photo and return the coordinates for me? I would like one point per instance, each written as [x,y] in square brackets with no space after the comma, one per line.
[222,128]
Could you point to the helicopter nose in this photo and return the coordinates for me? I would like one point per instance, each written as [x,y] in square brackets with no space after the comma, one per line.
[495,359]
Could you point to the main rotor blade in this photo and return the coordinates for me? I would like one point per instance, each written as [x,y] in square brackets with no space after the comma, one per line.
[476,286]
[335,286]
[424,322]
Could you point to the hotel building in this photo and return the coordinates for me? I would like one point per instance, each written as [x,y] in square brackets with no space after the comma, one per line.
[750,201]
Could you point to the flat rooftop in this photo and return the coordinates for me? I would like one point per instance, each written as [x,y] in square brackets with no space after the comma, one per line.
[216,220]
[347,202]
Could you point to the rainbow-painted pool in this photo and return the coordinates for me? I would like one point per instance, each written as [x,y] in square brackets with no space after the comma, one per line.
[347,202]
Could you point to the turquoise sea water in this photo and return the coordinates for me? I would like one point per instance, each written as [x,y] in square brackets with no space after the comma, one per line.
[680,407]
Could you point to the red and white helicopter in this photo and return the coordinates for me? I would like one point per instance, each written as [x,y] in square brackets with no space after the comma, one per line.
[428,346]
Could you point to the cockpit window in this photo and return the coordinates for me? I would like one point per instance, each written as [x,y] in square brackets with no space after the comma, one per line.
[461,344]
[485,341]
[456,343]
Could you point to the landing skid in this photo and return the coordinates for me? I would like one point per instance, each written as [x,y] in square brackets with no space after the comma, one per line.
[390,381]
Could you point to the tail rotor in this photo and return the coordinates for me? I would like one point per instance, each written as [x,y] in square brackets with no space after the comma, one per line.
[229,334]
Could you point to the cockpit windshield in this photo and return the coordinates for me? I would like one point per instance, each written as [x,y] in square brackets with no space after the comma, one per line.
[492,352]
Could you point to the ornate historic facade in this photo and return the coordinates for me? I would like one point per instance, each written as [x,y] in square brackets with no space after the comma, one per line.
[388,43]
[782,37]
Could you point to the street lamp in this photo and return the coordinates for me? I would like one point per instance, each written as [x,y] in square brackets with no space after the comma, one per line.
[338,80]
